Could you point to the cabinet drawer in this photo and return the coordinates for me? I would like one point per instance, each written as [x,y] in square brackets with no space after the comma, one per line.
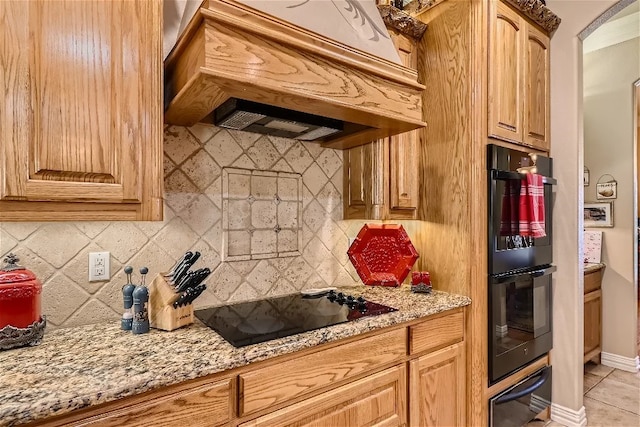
[271,385]
[209,404]
[436,333]
[377,400]
[593,281]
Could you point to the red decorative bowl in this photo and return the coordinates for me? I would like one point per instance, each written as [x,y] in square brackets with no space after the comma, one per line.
[382,254]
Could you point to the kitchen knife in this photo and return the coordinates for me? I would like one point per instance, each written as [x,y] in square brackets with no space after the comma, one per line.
[183,283]
[195,294]
[198,278]
[180,301]
[185,268]
[179,264]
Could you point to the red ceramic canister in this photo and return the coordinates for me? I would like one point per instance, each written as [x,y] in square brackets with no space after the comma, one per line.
[19,295]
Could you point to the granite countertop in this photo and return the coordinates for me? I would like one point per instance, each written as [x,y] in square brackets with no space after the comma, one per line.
[77,367]
[591,267]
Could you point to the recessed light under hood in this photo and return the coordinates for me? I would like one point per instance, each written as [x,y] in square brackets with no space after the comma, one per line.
[248,116]
[287,80]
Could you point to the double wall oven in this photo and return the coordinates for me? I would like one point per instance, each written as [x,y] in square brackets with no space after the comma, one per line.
[520,268]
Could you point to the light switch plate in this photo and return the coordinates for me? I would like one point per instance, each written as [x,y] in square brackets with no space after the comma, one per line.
[99,266]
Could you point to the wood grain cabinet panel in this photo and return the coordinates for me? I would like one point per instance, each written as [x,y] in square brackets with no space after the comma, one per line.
[593,314]
[519,70]
[271,385]
[381,179]
[81,118]
[437,388]
[537,95]
[377,400]
[505,73]
[436,333]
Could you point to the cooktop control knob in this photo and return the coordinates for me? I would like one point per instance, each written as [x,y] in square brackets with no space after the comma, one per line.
[350,298]
[361,299]
[362,307]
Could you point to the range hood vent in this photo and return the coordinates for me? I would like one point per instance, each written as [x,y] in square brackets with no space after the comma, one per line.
[239,114]
[240,68]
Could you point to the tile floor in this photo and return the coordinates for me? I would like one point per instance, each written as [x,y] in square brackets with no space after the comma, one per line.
[611,397]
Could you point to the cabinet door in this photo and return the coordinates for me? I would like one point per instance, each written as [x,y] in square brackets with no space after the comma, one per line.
[404,159]
[592,324]
[81,117]
[377,400]
[437,388]
[505,73]
[365,176]
[536,115]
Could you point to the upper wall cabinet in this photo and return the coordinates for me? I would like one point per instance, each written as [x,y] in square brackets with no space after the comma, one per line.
[518,79]
[81,110]
[381,178]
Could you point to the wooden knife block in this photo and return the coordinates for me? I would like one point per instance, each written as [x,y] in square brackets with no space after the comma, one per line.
[162,315]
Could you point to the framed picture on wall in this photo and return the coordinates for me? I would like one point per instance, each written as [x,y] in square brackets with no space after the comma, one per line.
[598,214]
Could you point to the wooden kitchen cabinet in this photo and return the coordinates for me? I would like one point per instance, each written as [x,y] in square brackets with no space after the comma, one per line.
[437,388]
[81,117]
[381,179]
[593,314]
[377,400]
[518,93]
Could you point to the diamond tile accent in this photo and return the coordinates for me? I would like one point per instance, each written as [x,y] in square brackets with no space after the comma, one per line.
[122,239]
[263,277]
[60,298]
[201,169]
[245,139]
[244,292]
[226,282]
[314,179]
[151,228]
[223,148]
[298,272]
[314,215]
[179,191]
[281,144]
[42,269]
[203,132]
[329,197]
[282,166]
[151,256]
[314,149]
[201,214]
[176,238]
[244,162]
[298,158]
[57,243]
[329,161]
[179,144]
[6,244]
[263,153]
[282,287]
[92,229]
[315,252]
[92,312]
[20,230]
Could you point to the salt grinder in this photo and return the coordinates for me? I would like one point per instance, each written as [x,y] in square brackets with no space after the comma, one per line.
[127,297]
[140,323]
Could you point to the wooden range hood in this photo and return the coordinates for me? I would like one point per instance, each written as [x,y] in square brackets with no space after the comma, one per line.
[230,50]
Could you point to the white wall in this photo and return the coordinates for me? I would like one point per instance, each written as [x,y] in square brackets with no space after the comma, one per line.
[566,148]
[609,75]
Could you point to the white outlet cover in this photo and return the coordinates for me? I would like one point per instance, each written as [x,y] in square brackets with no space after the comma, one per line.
[99,266]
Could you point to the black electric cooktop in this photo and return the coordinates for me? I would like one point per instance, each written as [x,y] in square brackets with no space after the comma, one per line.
[263,320]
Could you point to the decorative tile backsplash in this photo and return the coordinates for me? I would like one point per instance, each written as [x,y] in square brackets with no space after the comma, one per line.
[195,162]
[261,214]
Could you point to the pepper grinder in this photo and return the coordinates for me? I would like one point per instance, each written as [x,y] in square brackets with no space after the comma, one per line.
[140,306]
[127,297]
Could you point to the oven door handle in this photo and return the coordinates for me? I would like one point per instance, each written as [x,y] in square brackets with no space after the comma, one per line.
[544,376]
[506,175]
[506,277]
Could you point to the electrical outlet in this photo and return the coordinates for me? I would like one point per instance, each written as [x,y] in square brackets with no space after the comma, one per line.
[99,266]
[351,240]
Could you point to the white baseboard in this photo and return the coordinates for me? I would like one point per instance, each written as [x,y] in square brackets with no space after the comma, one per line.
[629,364]
[568,417]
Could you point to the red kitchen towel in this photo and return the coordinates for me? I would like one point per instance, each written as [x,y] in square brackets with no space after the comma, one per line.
[510,217]
[532,206]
